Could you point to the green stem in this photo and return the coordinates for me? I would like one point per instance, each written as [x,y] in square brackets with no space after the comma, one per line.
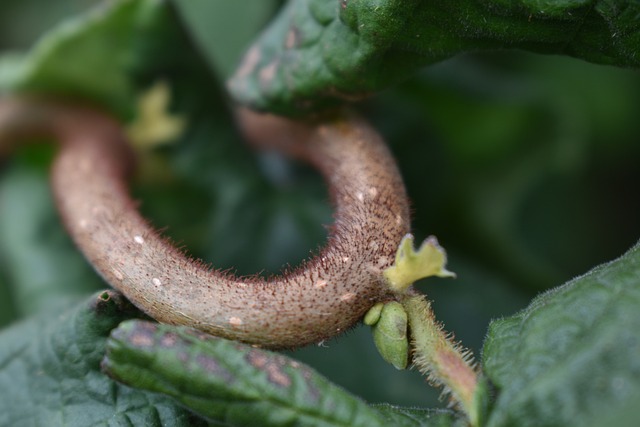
[444,362]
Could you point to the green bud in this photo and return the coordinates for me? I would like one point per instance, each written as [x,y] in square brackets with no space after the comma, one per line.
[373,315]
[390,335]
[411,265]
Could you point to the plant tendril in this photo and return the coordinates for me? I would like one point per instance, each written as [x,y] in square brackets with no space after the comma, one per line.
[323,297]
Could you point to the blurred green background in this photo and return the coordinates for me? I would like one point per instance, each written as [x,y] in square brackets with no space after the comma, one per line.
[523,166]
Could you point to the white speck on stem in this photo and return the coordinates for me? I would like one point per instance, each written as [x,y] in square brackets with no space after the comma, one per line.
[235,321]
[320,284]
[138,239]
[84,165]
[348,296]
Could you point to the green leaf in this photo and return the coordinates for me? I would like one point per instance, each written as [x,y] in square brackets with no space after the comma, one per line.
[239,385]
[421,417]
[120,42]
[50,373]
[22,21]
[224,29]
[7,310]
[572,354]
[229,382]
[36,254]
[318,52]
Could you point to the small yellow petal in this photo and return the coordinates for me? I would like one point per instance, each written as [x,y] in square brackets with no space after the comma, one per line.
[153,124]
[411,265]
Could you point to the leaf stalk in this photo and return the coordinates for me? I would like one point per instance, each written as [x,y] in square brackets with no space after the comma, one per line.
[444,362]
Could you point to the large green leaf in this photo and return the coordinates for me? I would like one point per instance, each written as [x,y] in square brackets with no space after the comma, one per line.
[224,29]
[318,51]
[239,385]
[37,256]
[50,373]
[105,55]
[572,355]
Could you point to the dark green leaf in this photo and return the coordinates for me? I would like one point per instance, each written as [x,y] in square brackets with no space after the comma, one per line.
[50,373]
[239,385]
[418,417]
[53,66]
[122,42]
[23,21]
[37,255]
[572,354]
[318,51]
[229,382]
[224,29]
[625,415]
[7,310]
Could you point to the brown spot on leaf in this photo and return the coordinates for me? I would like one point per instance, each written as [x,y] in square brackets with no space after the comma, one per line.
[277,375]
[183,356]
[142,336]
[271,365]
[258,359]
[199,334]
[214,367]
[293,38]
[268,73]
[168,340]
[249,63]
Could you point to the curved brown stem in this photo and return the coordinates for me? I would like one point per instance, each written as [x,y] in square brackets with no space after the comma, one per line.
[323,297]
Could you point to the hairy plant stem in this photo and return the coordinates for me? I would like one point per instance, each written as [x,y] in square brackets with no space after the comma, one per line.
[445,363]
[322,298]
